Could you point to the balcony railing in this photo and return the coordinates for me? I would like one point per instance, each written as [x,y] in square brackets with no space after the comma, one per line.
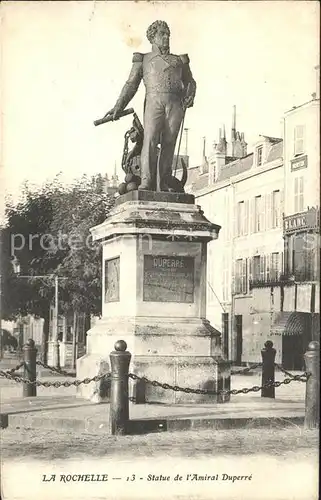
[306,275]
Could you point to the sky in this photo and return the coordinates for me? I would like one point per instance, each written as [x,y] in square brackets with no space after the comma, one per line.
[63,65]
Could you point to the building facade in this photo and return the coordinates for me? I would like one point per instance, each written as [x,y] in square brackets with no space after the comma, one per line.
[295,292]
[263,271]
[25,328]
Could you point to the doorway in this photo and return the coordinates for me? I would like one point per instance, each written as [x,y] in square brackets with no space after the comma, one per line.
[295,341]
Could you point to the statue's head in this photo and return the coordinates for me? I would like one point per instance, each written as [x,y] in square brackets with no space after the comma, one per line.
[158,33]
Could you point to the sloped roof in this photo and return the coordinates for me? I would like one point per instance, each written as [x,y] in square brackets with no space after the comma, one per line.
[185,158]
[197,181]
[235,167]
[274,140]
[193,173]
[275,152]
[201,182]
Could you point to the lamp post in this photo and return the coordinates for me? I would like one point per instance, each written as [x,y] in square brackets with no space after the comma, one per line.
[55,343]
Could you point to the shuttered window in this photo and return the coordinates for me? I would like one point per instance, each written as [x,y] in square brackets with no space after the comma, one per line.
[275,265]
[298,194]
[299,139]
[276,209]
[256,269]
[241,276]
[257,213]
[240,218]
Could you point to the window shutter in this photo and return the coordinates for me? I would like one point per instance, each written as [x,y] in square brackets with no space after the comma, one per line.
[261,267]
[268,266]
[262,212]
[235,220]
[233,277]
[301,193]
[296,194]
[251,268]
[268,211]
[252,218]
[246,276]
[246,221]
[280,210]
[281,263]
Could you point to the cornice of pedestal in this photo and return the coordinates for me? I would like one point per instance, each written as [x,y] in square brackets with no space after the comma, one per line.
[159,219]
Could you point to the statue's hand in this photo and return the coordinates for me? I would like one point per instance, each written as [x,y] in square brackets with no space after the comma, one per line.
[188,101]
[110,112]
[114,112]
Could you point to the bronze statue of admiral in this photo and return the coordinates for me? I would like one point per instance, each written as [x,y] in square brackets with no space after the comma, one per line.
[170,89]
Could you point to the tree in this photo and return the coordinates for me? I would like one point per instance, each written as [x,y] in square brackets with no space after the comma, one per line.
[28,223]
[48,231]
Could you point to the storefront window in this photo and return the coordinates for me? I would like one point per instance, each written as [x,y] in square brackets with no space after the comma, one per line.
[301,254]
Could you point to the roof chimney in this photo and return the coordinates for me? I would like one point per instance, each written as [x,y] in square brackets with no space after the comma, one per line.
[204,164]
[233,131]
[115,176]
[234,123]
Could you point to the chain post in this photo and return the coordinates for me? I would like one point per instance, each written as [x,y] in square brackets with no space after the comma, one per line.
[312,394]
[268,369]
[119,405]
[30,373]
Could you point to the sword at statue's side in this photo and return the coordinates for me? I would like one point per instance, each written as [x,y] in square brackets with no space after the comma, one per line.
[179,142]
[109,117]
[181,133]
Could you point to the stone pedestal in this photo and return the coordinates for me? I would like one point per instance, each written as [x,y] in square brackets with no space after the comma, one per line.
[154,298]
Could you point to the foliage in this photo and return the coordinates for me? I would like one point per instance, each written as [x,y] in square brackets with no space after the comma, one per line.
[54,222]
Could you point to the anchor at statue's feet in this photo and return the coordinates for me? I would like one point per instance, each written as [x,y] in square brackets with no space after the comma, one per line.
[131,159]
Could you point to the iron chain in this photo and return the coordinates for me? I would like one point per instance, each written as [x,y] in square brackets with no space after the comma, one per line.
[125,150]
[303,378]
[56,370]
[16,368]
[9,375]
[284,371]
[245,370]
[55,383]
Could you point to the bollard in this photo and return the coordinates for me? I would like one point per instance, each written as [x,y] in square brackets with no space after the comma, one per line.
[119,405]
[268,369]
[30,355]
[312,391]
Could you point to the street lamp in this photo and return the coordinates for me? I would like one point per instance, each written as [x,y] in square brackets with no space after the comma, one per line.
[55,343]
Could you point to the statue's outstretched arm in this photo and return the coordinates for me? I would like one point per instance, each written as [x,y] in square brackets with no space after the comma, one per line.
[130,88]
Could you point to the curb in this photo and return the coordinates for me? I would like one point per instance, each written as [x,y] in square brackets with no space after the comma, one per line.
[146,426]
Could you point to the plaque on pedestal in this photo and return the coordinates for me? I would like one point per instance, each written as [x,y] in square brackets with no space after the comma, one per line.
[112,280]
[168,279]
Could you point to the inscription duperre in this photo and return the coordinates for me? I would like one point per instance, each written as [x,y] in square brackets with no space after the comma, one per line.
[168,279]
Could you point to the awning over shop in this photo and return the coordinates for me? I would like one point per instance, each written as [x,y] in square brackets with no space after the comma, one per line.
[288,323]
